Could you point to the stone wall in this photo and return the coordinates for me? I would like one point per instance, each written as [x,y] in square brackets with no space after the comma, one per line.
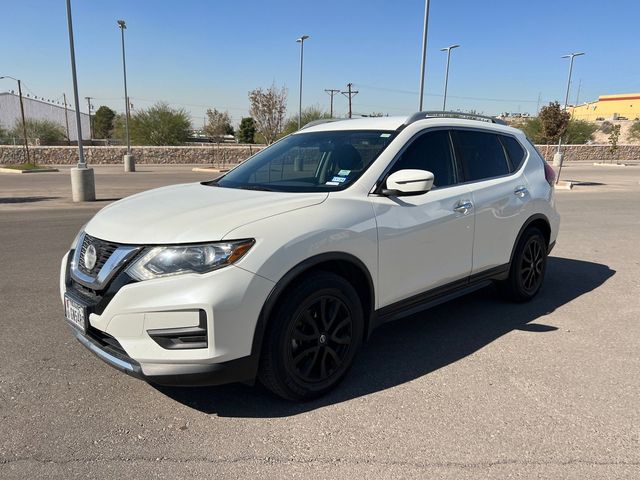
[592,153]
[228,155]
[219,156]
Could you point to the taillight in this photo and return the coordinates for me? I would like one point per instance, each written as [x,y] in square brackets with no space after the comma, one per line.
[549,173]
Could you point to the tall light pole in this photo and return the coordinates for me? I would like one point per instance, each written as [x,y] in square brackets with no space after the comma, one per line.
[24,122]
[423,64]
[301,42]
[446,74]
[83,187]
[557,157]
[129,161]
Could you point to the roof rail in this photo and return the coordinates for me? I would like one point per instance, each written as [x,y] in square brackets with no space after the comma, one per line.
[439,114]
[321,121]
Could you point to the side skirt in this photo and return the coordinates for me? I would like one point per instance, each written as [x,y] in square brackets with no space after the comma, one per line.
[439,295]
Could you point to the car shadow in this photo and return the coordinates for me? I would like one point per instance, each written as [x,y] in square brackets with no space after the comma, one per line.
[26,199]
[407,349]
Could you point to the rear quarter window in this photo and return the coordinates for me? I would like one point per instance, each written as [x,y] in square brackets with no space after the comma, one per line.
[515,152]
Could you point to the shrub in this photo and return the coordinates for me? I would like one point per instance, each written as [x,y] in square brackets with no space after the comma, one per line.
[634,131]
[45,131]
[579,132]
[157,125]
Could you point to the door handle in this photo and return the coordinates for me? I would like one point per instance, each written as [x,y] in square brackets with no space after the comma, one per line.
[463,207]
[520,191]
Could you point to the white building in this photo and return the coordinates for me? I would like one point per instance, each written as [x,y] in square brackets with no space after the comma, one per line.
[40,110]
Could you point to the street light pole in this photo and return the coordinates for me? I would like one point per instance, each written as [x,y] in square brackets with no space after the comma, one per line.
[24,122]
[424,52]
[82,181]
[301,42]
[446,75]
[129,161]
[558,157]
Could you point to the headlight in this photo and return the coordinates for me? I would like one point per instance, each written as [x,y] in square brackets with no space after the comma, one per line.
[158,262]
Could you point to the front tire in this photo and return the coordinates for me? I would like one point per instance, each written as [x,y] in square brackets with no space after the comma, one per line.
[312,338]
[528,267]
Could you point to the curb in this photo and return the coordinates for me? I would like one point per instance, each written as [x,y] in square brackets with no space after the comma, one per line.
[33,170]
[600,164]
[209,170]
[564,185]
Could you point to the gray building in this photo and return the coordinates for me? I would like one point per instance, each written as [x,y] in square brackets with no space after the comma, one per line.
[41,110]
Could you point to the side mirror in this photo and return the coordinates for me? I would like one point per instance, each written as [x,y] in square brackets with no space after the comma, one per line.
[408,182]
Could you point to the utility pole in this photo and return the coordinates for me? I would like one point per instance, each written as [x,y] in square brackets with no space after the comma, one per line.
[88,99]
[24,123]
[350,94]
[538,103]
[423,63]
[578,94]
[66,118]
[332,92]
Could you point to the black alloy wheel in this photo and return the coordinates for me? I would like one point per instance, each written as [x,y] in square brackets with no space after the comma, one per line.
[528,267]
[532,264]
[320,339]
[312,337]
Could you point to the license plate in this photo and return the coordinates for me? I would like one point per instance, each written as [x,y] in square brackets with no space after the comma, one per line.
[75,313]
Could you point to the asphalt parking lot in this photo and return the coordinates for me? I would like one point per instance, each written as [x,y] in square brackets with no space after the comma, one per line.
[475,388]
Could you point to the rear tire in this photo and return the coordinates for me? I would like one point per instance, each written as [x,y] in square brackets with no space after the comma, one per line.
[312,338]
[528,267]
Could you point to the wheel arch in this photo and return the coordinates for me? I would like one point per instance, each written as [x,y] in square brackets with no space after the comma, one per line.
[340,263]
[539,221]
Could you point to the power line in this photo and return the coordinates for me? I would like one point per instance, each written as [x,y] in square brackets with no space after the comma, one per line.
[350,94]
[331,92]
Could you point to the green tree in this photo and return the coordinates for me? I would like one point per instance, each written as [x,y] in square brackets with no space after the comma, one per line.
[309,114]
[247,130]
[533,129]
[614,136]
[218,124]
[553,123]
[268,108]
[103,122]
[579,132]
[46,132]
[157,125]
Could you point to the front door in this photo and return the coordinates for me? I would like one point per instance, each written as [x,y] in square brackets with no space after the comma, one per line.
[424,241]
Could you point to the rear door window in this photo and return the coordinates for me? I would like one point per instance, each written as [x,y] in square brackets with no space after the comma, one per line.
[481,154]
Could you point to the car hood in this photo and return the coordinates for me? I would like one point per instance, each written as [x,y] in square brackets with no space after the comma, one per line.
[190,213]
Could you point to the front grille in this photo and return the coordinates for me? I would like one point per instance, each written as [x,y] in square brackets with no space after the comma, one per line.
[104,250]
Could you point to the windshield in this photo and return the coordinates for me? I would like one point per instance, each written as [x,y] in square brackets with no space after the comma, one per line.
[309,162]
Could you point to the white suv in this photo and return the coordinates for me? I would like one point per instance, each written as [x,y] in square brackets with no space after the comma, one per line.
[282,267]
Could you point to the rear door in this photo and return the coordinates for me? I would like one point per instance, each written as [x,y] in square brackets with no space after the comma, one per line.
[492,168]
[424,241]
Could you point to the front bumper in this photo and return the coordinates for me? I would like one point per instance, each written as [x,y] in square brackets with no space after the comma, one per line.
[229,298]
[183,375]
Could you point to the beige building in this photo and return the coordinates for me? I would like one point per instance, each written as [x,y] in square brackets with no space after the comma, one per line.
[609,107]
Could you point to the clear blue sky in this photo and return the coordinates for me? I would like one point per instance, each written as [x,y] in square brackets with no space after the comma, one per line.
[199,54]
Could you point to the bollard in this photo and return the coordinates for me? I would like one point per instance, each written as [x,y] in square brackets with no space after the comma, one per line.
[83,187]
[129,163]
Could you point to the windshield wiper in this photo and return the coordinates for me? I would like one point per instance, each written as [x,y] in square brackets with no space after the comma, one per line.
[255,187]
